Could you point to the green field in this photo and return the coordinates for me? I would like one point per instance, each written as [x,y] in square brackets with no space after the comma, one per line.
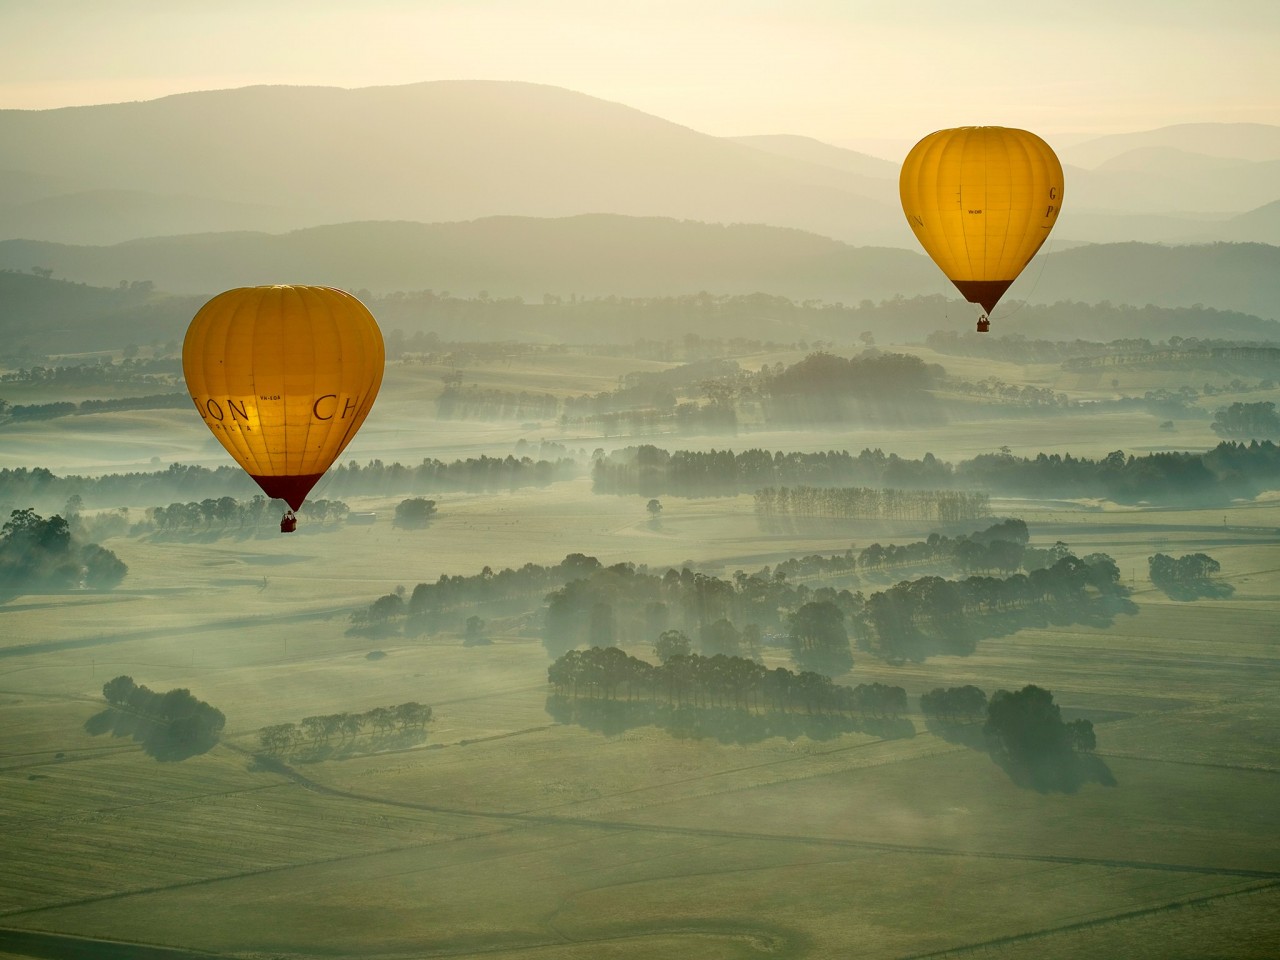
[503,834]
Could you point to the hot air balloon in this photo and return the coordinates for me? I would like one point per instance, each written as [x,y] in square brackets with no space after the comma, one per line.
[284,376]
[981,201]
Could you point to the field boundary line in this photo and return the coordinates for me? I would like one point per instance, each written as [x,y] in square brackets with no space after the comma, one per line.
[1086,924]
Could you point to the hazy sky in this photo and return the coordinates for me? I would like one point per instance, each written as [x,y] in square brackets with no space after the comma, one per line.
[839,70]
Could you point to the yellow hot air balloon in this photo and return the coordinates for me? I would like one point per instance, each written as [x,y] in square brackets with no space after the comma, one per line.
[284,376]
[981,201]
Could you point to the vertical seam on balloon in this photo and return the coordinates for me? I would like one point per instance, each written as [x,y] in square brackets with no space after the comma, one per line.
[938,158]
[999,259]
[273,468]
[227,321]
[335,334]
[966,135]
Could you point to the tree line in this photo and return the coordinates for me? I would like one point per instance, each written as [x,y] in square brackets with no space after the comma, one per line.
[228,513]
[719,681]
[870,503]
[66,408]
[1229,470]
[189,482]
[914,618]
[319,731]
[582,603]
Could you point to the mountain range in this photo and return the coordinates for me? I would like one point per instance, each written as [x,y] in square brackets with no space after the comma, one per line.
[607,254]
[278,159]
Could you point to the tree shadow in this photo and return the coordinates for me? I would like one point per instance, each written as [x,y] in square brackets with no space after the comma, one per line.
[170,742]
[724,724]
[1189,590]
[1063,771]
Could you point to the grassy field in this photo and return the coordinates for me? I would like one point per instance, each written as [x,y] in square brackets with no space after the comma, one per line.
[502,834]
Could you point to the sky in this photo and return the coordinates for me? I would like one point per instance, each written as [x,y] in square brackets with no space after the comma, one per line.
[850,72]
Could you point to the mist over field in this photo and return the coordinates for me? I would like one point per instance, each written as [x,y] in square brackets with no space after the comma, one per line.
[700,584]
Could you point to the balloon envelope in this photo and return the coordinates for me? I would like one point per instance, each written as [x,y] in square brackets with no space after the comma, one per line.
[981,201]
[284,376]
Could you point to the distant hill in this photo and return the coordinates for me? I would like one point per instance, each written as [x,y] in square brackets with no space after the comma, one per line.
[41,315]
[448,150]
[1243,141]
[504,256]
[605,255]
[284,158]
[1226,276]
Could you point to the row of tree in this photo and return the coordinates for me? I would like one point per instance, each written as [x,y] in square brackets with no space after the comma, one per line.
[870,503]
[718,681]
[228,513]
[1227,471]
[188,482]
[320,730]
[915,616]
[65,408]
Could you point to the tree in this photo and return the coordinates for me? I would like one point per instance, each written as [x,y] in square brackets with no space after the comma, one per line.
[103,570]
[671,643]
[119,689]
[475,633]
[1026,727]
[720,637]
[819,642]
[654,507]
[414,514]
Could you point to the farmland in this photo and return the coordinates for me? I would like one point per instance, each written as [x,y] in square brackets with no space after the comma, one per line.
[501,832]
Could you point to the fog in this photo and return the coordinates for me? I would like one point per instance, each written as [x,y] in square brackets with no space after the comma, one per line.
[700,584]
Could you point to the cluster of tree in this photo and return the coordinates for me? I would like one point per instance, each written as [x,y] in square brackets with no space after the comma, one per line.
[452,598]
[1002,547]
[869,503]
[65,408]
[228,513]
[706,395]
[375,478]
[1247,420]
[172,719]
[915,617]
[40,553]
[1188,577]
[889,389]
[623,604]
[1027,729]
[580,602]
[414,513]
[719,681]
[1023,731]
[319,731]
